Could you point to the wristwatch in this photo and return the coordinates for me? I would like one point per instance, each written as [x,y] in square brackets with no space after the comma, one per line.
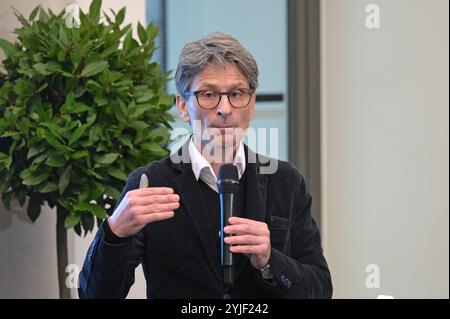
[265,272]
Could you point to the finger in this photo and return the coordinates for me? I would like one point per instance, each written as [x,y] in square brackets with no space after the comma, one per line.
[154,199]
[151,218]
[249,249]
[246,229]
[244,240]
[153,191]
[239,220]
[159,208]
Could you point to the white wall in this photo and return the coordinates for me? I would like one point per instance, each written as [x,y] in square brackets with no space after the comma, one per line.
[385,147]
[27,250]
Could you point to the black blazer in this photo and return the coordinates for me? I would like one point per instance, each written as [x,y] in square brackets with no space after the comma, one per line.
[179,258]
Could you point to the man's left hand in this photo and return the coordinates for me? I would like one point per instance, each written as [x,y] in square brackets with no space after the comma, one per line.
[250,237]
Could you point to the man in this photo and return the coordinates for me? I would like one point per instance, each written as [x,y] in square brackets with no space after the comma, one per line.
[172,226]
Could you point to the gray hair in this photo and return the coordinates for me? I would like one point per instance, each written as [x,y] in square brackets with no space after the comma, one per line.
[218,49]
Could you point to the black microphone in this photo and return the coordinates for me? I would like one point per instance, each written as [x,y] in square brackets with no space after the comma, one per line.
[228,184]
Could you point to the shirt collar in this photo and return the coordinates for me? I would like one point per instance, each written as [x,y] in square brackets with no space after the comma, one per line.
[199,163]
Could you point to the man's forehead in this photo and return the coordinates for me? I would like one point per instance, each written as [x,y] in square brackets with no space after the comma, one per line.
[221,84]
[221,76]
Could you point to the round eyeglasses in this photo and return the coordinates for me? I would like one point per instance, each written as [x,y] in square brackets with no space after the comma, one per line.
[209,99]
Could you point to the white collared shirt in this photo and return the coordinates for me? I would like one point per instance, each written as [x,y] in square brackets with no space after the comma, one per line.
[203,169]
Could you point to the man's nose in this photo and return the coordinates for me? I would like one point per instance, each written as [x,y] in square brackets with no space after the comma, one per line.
[224,108]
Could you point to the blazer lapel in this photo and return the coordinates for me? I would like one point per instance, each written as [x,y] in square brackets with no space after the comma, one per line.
[191,198]
[256,189]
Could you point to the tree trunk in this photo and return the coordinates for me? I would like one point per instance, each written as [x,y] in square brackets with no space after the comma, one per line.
[61,250]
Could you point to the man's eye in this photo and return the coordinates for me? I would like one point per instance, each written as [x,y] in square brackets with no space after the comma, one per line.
[236,94]
[209,94]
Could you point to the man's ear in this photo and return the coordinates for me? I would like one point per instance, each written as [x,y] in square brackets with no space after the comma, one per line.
[182,107]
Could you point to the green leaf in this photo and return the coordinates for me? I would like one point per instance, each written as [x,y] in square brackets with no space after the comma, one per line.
[34,208]
[94,68]
[8,162]
[71,220]
[85,195]
[70,125]
[152,31]
[6,198]
[32,180]
[77,229]
[126,140]
[87,221]
[117,173]
[98,191]
[141,33]
[93,173]
[53,141]
[159,135]
[79,155]
[35,150]
[41,68]
[127,42]
[49,187]
[7,47]
[95,133]
[145,98]
[77,134]
[55,129]
[20,195]
[66,74]
[64,179]
[42,87]
[106,159]
[21,18]
[53,66]
[99,212]
[43,16]
[25,173]
[120,16]
[55,160]
[95,209]
[94,9]
[79,108]
[34,116]
[141,109]
[42,133]
[40,158]
[100,100]
[155,148]
[91,117]
[34,13]
[139,125]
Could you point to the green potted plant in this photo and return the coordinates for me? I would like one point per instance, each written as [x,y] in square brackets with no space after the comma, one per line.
[80,108]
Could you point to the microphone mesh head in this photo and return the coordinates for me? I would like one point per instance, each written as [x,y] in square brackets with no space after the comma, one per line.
[228,179]
[228,171]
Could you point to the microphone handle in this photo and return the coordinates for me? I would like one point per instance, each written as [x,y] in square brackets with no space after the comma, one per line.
[228,207]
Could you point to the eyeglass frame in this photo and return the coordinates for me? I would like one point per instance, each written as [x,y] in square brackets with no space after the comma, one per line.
[196,93]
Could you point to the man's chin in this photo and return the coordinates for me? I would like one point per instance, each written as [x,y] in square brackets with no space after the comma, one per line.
[225,140]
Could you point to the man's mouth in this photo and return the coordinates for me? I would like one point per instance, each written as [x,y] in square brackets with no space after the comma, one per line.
[224,128]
